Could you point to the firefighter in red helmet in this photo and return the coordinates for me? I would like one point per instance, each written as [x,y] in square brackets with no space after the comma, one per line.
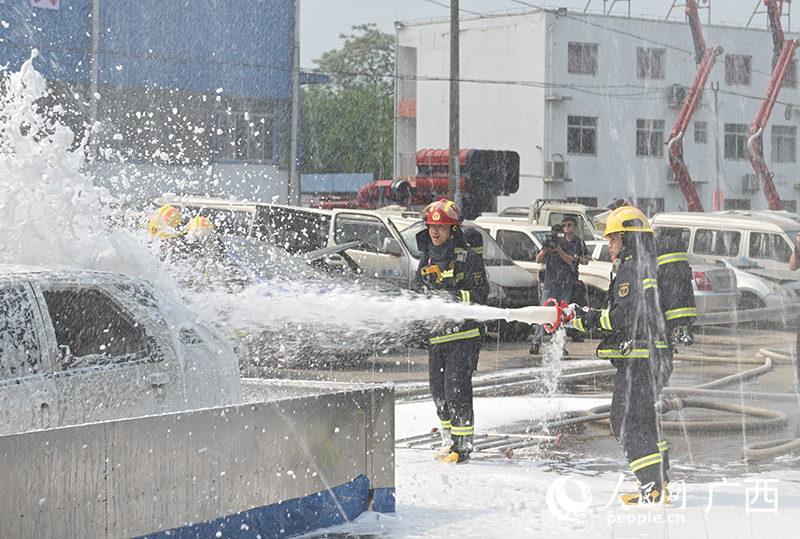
[449,269]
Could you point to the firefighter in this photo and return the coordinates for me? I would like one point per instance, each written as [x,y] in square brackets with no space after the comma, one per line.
[635,340]
[449,269]
[166,223]
[675,288]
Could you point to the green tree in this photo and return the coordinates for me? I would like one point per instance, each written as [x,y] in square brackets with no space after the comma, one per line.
[347,125]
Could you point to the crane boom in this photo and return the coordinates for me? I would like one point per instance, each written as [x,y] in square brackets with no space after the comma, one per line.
[782,58]
[706,57]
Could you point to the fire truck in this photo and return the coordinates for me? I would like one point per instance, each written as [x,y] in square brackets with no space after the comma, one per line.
[485,174]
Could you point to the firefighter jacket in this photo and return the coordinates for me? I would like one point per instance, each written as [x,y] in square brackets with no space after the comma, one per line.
[632,325]
[675,283]
[463,280]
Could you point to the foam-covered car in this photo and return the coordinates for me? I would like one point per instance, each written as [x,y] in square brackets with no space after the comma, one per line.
[80,346]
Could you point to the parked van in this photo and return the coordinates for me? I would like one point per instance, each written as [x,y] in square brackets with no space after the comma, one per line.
[392,253]
[387,251]
[766,238]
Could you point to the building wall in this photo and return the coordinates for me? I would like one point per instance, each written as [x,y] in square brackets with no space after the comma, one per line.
[184,89]
[517,93]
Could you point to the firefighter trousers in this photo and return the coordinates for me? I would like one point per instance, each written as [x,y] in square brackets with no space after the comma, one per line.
[450,368]
[634,420]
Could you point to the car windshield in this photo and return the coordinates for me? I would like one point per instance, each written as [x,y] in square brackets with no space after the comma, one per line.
[493,254]
[267,261]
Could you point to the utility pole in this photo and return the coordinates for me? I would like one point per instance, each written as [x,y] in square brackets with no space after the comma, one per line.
[294,176]
[95,70]
[454,185]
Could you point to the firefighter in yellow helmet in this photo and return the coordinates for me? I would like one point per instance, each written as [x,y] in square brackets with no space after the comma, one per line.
[166,223]
[634,339]
[450,269]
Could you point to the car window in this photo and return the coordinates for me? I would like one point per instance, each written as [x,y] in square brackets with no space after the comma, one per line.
[409,236]
[583,232]
[605,254]
[517,245]
[493,254]
[20,349]
[267,261]
[351,227]
[717,242]
[227,222]
[681,233]
[296,230]
[91,329]
[770,246]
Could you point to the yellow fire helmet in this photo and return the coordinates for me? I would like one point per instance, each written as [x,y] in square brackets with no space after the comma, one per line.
[200,228]
[626,219]
[166,223]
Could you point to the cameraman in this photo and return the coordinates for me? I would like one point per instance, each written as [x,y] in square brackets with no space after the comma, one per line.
[558,256]
[570,224]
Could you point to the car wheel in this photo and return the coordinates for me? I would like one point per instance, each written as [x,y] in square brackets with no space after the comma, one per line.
[750,301]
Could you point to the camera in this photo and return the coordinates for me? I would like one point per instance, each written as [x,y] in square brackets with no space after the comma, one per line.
[551,240]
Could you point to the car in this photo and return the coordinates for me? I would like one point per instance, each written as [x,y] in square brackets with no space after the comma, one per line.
[766,238]
[81,346]
[523,241]
[758,289]
[714,285]
[382,252]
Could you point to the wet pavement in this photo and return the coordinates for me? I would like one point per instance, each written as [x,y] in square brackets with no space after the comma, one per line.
[698,453]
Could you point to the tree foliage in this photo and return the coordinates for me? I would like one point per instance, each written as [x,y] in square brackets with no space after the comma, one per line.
[347,125]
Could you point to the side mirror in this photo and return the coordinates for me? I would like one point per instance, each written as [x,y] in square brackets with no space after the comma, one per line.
[392,246]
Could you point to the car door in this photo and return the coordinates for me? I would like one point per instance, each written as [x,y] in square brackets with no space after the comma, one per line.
[382,255]
[110,365]
[28,394]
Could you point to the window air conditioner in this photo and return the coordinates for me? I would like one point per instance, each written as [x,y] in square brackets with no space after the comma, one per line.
[557,170]
[676,95]
[750,183]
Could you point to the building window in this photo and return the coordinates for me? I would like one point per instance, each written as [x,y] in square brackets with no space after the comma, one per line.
[735,141]
[582,135]
[650,63]
[737,69]
[784,144]
[245,129]
[736,204]
[650,138]
[582,58]
[701,132]
[650,206]
[790,81]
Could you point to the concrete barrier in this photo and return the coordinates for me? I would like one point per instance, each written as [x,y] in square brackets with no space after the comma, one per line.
[301,457]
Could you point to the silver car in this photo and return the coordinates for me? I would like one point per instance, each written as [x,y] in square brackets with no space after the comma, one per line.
[79,346]
[714,286]
[760,290]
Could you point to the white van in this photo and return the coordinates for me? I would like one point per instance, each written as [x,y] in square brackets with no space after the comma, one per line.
[765,238]
[523,241]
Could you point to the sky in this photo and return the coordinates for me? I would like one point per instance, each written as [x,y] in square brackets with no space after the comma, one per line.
[322,21]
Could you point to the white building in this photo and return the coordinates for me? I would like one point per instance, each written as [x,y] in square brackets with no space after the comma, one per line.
[598,93]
